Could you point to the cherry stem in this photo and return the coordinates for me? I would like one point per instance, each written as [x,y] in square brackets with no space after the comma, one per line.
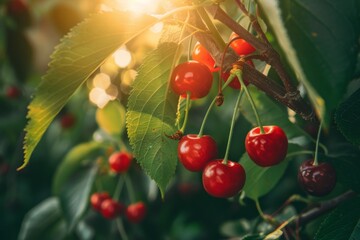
[189,48]
[119,187]
[243,86]
[316,162]
[130,189]
[228,81]
[121,229]
[266,218]
[217,37]
[187,106]
[236,109]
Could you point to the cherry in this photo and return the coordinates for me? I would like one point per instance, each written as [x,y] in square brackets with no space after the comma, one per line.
[201,54]
[193,77]
[317,180]
[267,149]
[223,180]
[17,7]
[67,121]
[111,209]
[136,212]
[13,92]
[235,84]
[194,152]
[96,200]
[240,46]
[120,161]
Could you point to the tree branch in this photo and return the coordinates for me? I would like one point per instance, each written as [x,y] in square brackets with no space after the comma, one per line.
[323,207]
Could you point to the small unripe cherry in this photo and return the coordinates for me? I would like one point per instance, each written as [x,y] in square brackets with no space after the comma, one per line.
[120,161]
[67,121]
[13,92]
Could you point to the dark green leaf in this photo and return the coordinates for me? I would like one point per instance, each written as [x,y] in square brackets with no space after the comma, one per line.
[151,114]
[320,41]
[74,160]
[271,113]
[44,222]
[348,118]
[341,223]
[347,167]
[75,194]
[260,180]
[356,233]
[80,53]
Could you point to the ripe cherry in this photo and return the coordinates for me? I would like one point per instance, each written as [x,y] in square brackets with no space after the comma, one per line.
[317,180]
[240,46]
[17,7]
[201,54]
[13,92]
[120,161]
[195,152]
[192,77]
[111,209]
[96,199]
[267,149]
[67,121]
[223,180]
[136,212]
[235,84]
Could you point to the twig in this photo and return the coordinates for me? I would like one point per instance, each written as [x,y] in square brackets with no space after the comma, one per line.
[323,207]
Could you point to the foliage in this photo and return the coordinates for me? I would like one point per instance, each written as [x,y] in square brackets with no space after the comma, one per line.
[318,47]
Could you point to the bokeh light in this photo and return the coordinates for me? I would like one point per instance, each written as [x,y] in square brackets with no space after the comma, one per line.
[122,57]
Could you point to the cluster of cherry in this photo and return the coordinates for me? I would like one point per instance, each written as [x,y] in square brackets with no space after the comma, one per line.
[265,145]
[110,208]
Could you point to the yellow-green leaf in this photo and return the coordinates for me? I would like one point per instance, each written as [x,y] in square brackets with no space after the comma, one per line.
[80,53]
[111,118]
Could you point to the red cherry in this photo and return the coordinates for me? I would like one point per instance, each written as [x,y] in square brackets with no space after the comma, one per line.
[136,212]
[317,180]
[17,7]
[201,54]
[67,120]
[193,77]
[111,209]
[194,152]
[120,161]
[96,200]
[13,92]
[266,149]
[235,84]
[240,46]
[223,180]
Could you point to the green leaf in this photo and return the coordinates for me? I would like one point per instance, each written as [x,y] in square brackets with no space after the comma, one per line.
[271,113]
[80,53]
[44,222]
[260,180]
[342,223]
[356,232]
[75,194]
[319,40]
[348,118]
[111,118]
[74,160]
[347,167]
[151,114]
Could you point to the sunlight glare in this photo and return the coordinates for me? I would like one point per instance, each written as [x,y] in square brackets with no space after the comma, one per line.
[102,80]
[138,6]
[99,97]
[122,57]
